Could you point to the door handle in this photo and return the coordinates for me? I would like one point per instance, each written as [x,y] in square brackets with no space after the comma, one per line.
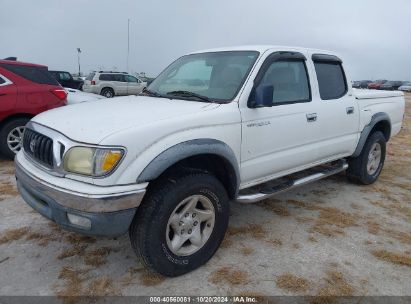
[3,94]
[311,117]
[350,110]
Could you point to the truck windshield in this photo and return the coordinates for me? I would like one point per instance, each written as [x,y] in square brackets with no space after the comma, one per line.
[214,76]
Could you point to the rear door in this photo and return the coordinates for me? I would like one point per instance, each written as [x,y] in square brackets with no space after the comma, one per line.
[338,114]
[120,84]
[8,96]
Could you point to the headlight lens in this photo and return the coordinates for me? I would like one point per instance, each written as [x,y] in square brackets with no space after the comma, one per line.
[92,161]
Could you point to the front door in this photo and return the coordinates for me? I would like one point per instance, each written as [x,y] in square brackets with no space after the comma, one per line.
[281,138]
[134,85]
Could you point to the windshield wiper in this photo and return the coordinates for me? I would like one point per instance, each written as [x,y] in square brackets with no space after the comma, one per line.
[190,94]
[150,93]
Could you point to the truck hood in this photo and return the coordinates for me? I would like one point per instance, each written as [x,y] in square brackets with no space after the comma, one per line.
[91,122]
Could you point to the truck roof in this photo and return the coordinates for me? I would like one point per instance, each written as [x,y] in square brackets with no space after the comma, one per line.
[264,48]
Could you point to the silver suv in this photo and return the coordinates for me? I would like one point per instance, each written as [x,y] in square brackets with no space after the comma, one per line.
[110,84]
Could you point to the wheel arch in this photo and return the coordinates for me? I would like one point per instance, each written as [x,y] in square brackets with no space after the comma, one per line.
[207,155]
[379,122]
[15,116]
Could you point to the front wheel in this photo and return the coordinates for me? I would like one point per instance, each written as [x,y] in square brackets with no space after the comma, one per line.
[366,168]
[181,223]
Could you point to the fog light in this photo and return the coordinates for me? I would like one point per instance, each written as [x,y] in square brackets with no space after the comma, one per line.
[79,221]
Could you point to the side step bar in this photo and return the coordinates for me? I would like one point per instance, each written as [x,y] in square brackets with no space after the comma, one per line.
[264,194]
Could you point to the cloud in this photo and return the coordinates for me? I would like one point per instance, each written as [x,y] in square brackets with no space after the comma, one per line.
[371,35]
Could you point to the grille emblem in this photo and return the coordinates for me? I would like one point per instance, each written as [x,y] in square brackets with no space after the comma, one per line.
[32,146]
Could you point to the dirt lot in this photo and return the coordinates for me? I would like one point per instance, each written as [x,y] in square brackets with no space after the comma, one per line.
[328,238]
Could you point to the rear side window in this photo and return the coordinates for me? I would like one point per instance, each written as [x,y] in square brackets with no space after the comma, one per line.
[331,79]
[2,80]
[35,74]
[106,77]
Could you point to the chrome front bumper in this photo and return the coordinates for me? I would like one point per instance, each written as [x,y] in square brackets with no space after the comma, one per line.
[109,212]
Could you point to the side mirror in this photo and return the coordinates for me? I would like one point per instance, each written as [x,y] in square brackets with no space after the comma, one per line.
[263,96]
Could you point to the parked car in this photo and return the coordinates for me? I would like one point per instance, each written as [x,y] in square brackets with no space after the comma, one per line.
[231,124]
[376,84]
[66,80]
[391,85]
[406,87]
[26,90]
[110,84]
[356,84]
[362,84]
[77,96]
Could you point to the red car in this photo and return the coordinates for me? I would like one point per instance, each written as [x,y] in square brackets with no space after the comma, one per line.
[376,84]
[25,90]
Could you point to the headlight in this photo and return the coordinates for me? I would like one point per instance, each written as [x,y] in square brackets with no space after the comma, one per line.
[92,161]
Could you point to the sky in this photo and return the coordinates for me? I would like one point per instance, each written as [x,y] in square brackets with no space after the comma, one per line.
[372,36]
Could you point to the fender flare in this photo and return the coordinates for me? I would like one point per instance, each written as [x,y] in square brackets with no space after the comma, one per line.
[376,118]
[187,149]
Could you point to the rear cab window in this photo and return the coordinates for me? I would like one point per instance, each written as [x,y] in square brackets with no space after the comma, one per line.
[332,82]
[35,74]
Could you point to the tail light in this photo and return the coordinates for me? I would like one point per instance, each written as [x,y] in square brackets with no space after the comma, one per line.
[93,82]
[59,93]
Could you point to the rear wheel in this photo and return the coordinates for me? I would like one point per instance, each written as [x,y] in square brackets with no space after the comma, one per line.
[107,92]
[11,137]
[181,223]
[366,168]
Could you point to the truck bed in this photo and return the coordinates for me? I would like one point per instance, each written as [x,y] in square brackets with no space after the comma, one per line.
[390,102]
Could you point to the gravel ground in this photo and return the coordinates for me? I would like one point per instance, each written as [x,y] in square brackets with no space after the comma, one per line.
[328,238]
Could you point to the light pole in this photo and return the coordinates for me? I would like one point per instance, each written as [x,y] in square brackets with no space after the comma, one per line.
[78,59]
[128,42]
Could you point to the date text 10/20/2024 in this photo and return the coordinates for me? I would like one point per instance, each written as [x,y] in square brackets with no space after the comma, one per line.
[182,299]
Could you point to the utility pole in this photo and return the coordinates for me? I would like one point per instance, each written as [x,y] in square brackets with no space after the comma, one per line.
[78,60]
[128,42]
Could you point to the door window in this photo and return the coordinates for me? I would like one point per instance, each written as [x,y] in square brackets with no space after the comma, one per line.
[119,77]
[131,79]
[290,81]
[331,80]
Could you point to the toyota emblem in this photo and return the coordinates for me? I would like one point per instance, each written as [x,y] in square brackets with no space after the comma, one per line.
[32,145]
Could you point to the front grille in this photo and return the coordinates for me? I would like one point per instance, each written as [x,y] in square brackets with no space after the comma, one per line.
[39,147]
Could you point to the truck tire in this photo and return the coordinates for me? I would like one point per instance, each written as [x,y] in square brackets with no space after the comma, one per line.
[11,137]
[107,92]
[181,223]
[366,168]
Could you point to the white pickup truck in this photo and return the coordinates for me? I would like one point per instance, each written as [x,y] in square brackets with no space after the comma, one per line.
[233,124]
